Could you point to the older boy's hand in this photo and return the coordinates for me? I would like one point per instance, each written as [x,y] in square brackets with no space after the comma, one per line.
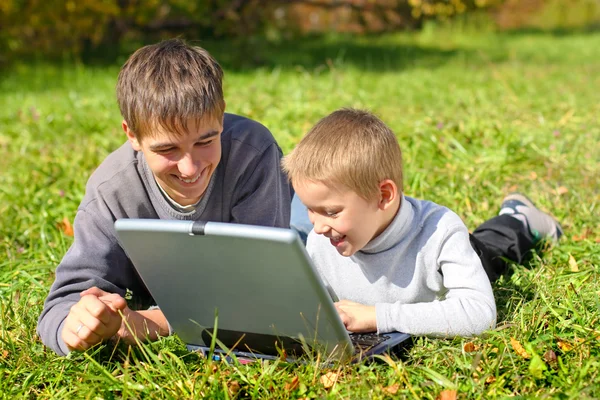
[93,319]
[142,325]
[135,325]
[357,317]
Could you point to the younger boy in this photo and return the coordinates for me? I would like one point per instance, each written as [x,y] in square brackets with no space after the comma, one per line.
[398,263]
[184,159]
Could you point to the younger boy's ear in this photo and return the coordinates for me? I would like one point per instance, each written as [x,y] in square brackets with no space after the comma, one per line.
[388,193]
[131,137]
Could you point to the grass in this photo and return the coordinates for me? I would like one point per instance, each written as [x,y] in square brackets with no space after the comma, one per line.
[477,116]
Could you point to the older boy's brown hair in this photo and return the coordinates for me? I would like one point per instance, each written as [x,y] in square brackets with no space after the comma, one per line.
[166,84]
[350,147]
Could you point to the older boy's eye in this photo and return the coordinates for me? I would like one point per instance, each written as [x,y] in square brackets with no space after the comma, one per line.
[332,214]
[202,144]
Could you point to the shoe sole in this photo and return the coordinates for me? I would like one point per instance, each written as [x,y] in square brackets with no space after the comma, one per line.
[520,197]
[525,200]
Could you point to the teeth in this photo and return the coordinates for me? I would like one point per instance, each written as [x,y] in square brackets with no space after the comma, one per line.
[190,180]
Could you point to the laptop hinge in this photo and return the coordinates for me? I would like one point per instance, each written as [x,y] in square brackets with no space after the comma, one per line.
[198,228]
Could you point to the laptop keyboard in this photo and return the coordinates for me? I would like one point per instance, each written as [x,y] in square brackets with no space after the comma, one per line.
[364,341]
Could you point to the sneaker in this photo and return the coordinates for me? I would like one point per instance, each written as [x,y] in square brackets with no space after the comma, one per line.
[540,225]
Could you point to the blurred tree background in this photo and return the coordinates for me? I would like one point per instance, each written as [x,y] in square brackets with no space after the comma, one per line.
[84,29]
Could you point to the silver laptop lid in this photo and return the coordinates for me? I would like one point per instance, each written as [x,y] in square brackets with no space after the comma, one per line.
[259,280]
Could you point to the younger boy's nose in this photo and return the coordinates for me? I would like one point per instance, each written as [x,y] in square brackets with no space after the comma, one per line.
[320,228]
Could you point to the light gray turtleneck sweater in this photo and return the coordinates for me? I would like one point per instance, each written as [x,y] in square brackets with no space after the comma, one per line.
[420,273]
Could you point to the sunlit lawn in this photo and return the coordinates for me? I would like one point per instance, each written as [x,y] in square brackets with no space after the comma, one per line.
[477,116]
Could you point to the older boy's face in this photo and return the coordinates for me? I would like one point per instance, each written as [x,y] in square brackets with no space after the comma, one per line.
[183,165]
[348,220]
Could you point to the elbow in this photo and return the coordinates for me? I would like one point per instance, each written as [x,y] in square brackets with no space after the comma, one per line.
[486,320]
[50,333]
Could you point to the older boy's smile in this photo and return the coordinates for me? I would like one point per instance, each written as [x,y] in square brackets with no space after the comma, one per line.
[193,180]
[188,182]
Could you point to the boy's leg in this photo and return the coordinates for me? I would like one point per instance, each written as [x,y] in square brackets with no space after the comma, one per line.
[511,236]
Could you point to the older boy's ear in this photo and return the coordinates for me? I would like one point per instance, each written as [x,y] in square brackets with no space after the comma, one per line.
[135,143]
[388,193]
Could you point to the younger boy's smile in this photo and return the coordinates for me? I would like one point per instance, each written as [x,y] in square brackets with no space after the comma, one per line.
[337,241]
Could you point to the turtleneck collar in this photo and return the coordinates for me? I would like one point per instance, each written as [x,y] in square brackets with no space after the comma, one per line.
[396,230]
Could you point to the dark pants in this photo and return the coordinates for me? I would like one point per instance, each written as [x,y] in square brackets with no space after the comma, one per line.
[500,240]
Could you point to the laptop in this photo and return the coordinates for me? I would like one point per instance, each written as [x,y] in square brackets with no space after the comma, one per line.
[252,289]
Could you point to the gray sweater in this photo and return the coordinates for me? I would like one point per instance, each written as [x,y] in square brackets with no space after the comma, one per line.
[247,187]
[421,274]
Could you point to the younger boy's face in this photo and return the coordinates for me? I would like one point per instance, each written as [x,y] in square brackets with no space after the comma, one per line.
[338,213]
[183,165]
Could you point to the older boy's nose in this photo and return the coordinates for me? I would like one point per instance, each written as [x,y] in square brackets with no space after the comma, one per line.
[187,166]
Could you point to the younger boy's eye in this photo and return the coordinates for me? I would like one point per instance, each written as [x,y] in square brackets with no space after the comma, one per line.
[202,144]
[332,214]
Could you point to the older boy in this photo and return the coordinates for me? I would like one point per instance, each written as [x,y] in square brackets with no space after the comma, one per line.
[398,263]
[184,159]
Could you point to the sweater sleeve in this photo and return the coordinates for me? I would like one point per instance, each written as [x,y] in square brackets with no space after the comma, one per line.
[467,307]
[265,197]
[94,259]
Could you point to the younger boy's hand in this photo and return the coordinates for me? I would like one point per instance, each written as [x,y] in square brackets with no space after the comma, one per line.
[93,319]
[357,317]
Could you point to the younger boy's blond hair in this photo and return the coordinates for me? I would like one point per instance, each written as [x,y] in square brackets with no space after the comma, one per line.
[165,84]
[348,147]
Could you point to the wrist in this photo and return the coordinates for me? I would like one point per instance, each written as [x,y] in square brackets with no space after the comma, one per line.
[155,322]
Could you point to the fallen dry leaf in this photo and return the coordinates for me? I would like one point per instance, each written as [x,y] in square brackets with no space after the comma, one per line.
[447,395]
[584,235]
[293,385]
[65,226]
[392,389]
[470,347]
[533,176]
[550,356]
[564,346]
[234,387]
[518,348]
[573,264]
[5,354]
[490,379]
[329,379]
[561,190]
